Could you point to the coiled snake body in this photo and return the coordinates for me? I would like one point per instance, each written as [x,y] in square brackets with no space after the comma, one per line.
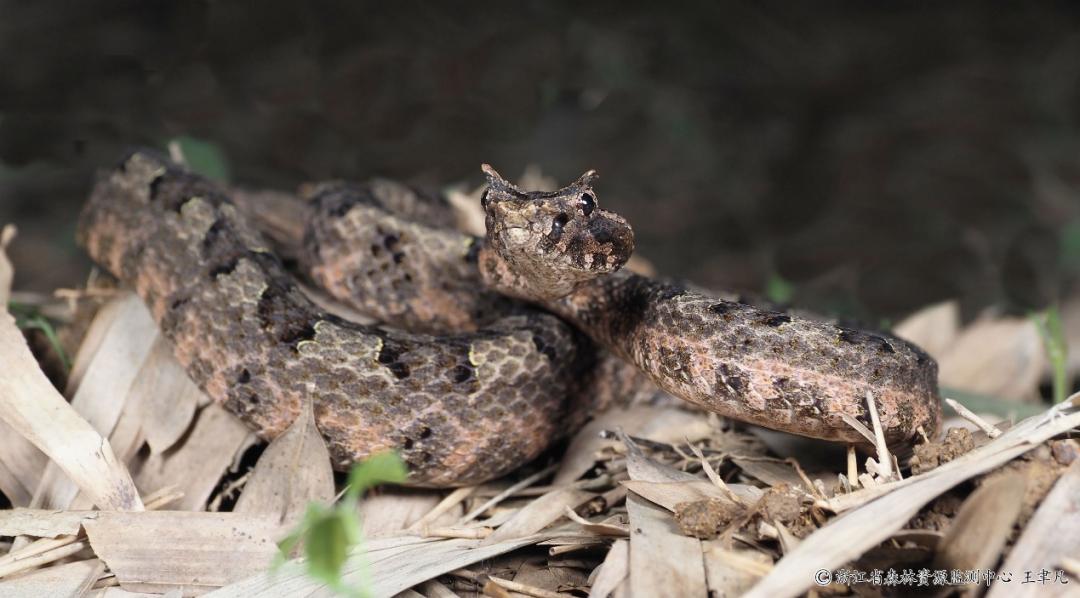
[470,404]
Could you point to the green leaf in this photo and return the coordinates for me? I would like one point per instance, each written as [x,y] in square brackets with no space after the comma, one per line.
[1053,335]
[328,544]
[779,290]
[28,318]
[380,468]
[203,157]
[329,533]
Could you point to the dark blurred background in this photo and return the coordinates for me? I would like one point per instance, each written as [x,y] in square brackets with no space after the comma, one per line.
[861,158]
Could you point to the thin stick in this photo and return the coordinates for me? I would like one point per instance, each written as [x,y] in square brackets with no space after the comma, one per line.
[852,466]
[990,430]
[42,559]
[884,457]
[529,481]
[448,502]
[471,533]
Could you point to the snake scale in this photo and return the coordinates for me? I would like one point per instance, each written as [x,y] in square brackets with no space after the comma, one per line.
[491,355]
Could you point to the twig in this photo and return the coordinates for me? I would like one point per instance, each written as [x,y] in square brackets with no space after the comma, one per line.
[448,502]
[63,551]
[990,430]
[471,533]
[529,481]
[884,457]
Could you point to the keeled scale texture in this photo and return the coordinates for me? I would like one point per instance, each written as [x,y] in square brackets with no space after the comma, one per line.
[460,409]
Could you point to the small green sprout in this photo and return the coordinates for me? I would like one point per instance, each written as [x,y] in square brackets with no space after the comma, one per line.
[1049,325]
[329,533]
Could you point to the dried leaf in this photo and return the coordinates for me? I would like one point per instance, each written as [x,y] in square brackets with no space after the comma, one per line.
[164,397]
[995,357]
[395,509]
[663,562]
[934,328]
[1051,535]
[100,397]
[41,523]
[292,472]
[71,579]
[982,525]
[394,564]
[196,466]
[666,424]
[31,406]
[730,573]
[847,537]
[155,551]
[538,514]
[669,494]
[612,572]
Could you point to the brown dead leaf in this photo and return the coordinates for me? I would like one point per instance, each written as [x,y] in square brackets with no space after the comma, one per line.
[538,514]
[164,397]
[612,572]
[196,465]
[395,509]
[385,566]
[663,562]
[1001,357]
[934,328]
[982,525]
[659,424]
[41,523]
[71,579]
[31,406]
[1052,535]
[101,395]
[730,573]
[848,537]
[293,471]
[155,551]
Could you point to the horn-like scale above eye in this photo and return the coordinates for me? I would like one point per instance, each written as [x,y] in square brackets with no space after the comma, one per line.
[587,203]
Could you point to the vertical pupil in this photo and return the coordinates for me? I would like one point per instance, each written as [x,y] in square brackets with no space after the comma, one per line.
[587,203]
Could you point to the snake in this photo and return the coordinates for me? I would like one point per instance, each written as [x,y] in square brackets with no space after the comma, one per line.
[479,352]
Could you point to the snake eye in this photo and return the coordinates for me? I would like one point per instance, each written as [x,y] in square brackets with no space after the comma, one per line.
[587,202]
[484,199]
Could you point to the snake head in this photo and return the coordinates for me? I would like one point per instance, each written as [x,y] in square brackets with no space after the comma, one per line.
[551,242]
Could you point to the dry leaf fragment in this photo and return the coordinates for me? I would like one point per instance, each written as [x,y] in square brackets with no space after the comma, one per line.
[196,466]
[730,573]
[612,572]
[995,357]
[155,551]
[665,424]
[293,471]
[395,564]
[164,397]
[982,525]
[538,514]
[888,506]
[71,579]
[7,271]
[662,561]
[31,406]
[1051,536]
[934,328]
